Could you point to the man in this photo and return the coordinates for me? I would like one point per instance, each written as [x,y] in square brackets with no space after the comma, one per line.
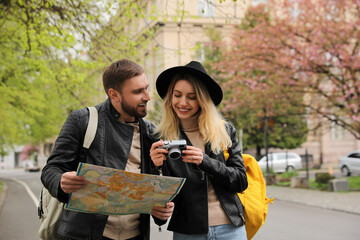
[122,141]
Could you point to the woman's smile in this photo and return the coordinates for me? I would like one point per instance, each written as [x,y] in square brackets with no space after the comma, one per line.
[184,100]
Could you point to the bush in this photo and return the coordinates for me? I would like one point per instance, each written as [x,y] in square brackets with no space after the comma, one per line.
[323,177]
[271,171]
[289,174]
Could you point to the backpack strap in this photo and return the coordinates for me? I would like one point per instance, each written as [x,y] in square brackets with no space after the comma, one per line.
[91,127]
[90,133]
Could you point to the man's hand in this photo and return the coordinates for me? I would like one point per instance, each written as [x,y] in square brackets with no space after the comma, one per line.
[163,213]
[70,182]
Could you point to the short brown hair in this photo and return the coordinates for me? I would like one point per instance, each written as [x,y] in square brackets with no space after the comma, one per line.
[118,72]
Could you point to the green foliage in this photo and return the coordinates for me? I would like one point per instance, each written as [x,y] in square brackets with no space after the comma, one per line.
[52,54]
[283,184]
[212,52]
[289,174]
[271,171]
[317,186]
[254,16]
[323,177]
[155,114]
[284,131]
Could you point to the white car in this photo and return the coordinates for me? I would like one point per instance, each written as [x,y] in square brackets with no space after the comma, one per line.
[281,162]
[350,163]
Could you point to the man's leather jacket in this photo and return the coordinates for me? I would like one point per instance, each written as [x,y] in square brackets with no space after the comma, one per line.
[228,177]
[110,148]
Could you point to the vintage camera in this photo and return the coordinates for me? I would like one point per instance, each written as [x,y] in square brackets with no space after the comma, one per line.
[174,147]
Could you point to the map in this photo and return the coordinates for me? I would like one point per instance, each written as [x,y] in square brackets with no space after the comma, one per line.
[115,192]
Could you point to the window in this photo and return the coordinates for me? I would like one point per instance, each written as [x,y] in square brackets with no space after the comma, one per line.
[337,132]
[281,156]
[257,2]
[354,155]
[295,11]
[206,8]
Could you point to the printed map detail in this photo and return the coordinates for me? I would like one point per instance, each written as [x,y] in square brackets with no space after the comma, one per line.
[116,192]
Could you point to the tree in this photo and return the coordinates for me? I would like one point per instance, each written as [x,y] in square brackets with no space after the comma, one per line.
[52,53]
[310,49]
[253,97]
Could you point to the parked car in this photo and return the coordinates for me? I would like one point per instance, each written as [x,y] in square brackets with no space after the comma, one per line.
[281,161]
[350,163]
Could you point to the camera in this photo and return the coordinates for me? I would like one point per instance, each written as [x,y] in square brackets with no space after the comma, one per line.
[174,147]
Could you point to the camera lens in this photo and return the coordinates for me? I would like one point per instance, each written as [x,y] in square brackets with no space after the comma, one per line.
[174,153]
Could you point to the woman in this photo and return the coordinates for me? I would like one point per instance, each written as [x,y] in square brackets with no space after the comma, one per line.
[207,207]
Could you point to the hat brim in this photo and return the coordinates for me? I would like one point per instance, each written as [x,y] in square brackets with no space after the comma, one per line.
[164,79]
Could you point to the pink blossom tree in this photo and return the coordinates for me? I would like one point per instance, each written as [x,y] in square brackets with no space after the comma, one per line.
[293,53]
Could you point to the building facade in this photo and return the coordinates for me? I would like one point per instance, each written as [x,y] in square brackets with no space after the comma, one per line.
[178,40]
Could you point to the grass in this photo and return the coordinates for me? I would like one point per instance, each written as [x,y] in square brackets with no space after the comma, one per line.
[354,183]
[283,184]
[317,186]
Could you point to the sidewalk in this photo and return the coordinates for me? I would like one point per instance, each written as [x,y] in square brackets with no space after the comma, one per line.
[340,201]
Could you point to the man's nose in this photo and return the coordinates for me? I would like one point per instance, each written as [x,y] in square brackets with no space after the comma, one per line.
[146,95]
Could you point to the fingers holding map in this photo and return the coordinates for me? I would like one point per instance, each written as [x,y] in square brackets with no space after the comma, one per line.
[115,192]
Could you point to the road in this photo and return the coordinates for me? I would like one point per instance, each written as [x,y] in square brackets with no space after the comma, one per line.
[18,216]
[293,221]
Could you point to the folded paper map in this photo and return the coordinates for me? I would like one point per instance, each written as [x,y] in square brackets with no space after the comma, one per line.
[115,192]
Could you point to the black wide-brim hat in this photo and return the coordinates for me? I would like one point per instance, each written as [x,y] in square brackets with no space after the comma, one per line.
[196,69]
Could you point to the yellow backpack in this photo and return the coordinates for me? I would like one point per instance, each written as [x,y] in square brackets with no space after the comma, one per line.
[254,197]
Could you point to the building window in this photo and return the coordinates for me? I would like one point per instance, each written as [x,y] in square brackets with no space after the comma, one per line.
[206,8]
[337,132]
[295,11]
[257,2]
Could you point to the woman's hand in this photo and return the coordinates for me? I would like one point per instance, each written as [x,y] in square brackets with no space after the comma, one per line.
[192,155]
[158,154]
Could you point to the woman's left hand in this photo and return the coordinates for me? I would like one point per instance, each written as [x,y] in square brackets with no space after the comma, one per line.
[192,155]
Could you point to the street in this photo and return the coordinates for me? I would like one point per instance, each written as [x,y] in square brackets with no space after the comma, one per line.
[293,221]
[285,220]
[18,216]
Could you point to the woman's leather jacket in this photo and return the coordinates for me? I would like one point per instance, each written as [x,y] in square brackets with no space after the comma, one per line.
[228,177]
[110,148]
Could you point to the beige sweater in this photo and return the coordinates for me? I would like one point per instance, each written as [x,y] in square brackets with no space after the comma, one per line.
[217,215]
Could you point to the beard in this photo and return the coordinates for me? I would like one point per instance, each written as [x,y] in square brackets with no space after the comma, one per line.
[133,111]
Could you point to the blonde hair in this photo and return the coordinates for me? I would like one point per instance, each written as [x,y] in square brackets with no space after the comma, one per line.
[211,123]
